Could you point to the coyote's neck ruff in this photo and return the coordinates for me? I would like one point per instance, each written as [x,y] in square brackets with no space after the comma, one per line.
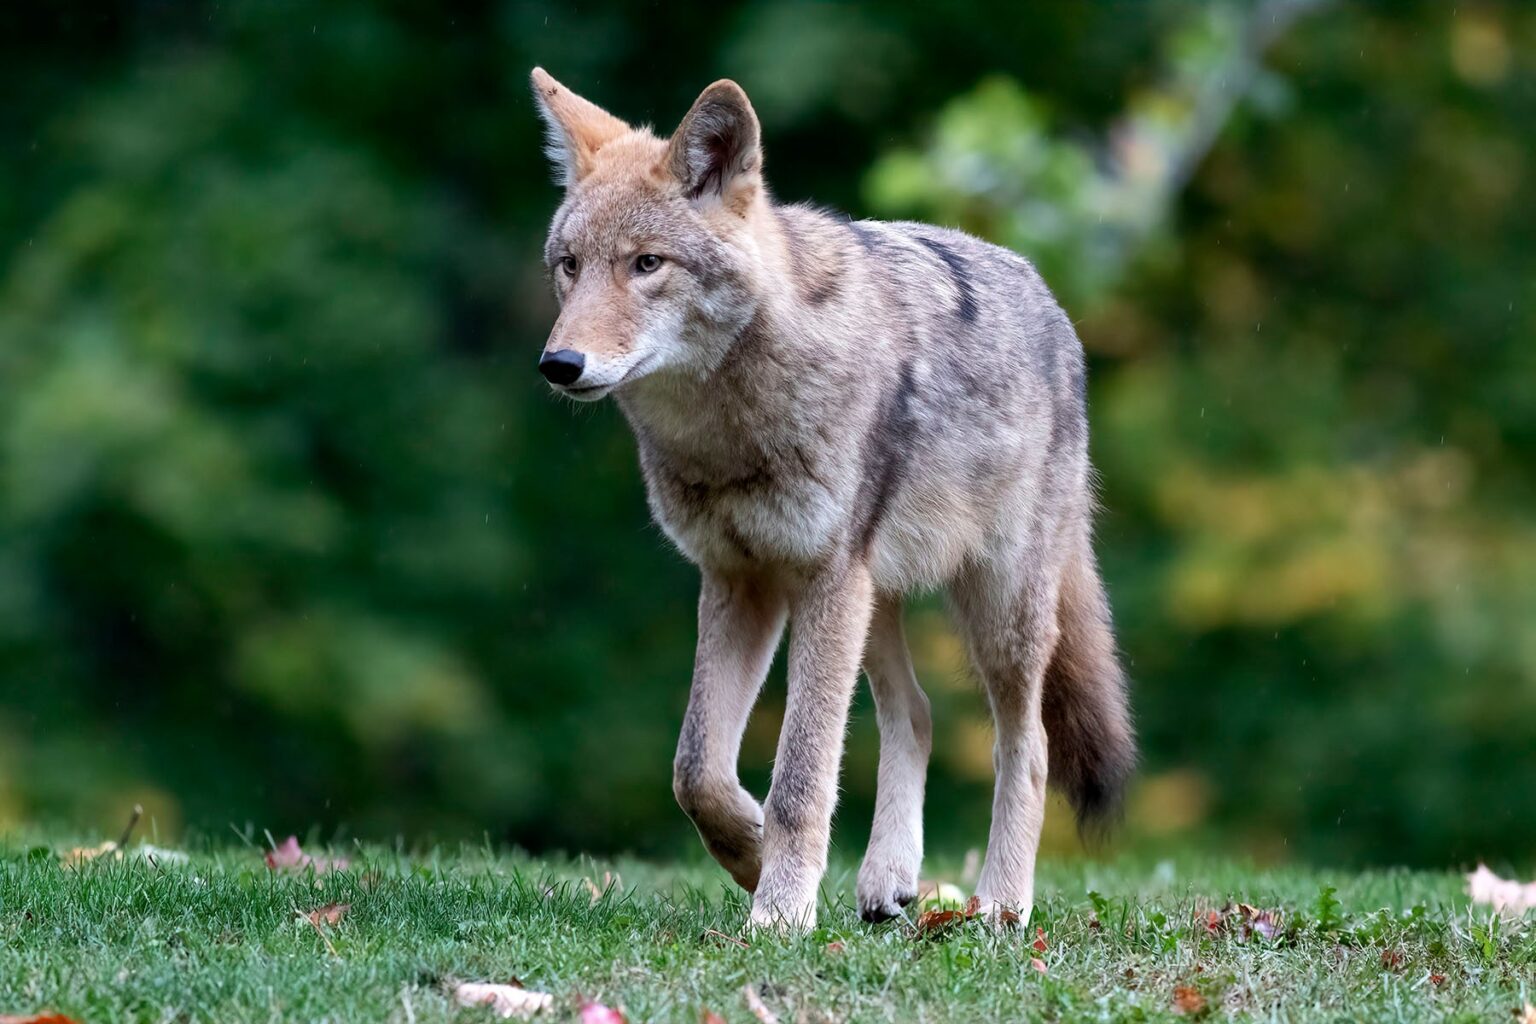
[831,414]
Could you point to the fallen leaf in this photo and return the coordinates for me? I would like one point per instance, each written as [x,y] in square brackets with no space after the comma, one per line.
[505,1000]
[1037,964]
[46,1017]
[1505,895]
[757,1007]
[1039,943]
[289,856]
[931,921]
[1528,1014]
[835,947]
[707,1016]
[81,854]
[331,913]
[597,1013]
[1187,999]
[1392,959]
[592,888]
[1243,920]
[1437,980]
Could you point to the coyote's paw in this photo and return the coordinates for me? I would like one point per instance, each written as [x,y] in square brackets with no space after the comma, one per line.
[1005,916]
[742,860]
[884,889]
[735,840]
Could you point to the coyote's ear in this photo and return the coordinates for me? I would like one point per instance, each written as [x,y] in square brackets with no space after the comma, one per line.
[716,152]
[575,128]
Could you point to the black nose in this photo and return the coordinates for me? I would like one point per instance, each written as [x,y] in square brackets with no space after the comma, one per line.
[563,366]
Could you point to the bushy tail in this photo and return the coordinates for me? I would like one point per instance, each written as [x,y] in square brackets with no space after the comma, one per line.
[1085,706]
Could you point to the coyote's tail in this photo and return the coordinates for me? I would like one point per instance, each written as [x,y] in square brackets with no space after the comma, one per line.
[1085,705]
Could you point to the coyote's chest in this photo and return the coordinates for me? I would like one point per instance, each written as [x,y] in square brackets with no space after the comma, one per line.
[738,509]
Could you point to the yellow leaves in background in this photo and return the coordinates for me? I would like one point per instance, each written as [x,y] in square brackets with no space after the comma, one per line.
[1479,47]
[1270,549]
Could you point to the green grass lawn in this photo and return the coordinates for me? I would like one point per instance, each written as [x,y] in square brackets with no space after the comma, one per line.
[223,939]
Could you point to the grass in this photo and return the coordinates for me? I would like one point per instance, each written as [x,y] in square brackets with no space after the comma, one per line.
[223,939]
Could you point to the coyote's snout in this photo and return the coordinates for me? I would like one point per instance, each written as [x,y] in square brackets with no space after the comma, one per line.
[832,414]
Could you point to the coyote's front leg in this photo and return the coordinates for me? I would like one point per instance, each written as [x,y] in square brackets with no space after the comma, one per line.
[831,617]
[740,621]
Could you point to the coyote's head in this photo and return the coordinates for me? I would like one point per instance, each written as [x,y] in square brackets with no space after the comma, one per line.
[651,254]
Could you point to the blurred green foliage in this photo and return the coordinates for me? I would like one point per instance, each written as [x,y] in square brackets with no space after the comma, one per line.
[291,533]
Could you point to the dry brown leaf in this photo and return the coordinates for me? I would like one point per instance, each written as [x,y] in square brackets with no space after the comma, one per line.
[835,946]
[46,1017]
[1187,999]
[1392,959]
[1506,896]
[708,1016]
[597,1013]
[930,922]
[756,1005]
[1437,980]
[331,913]
[289,856]
[1039,943]
[504,1000]
[81,854]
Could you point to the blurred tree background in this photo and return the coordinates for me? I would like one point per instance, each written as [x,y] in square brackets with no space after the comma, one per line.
[291,533]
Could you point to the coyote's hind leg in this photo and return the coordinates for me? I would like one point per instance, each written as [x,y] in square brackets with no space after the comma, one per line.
[888,878]
[1008,614]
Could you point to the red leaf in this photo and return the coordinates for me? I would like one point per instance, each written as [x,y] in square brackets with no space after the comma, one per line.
[289,856]
[331,913]
[597,1013]
[46,1017]
[1037,964]
[930,921]
[1039,942]
[1187,999]
[708,1016]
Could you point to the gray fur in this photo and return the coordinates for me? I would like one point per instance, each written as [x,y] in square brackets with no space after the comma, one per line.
[831,415]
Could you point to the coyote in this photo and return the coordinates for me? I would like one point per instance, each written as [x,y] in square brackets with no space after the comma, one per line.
[832,414]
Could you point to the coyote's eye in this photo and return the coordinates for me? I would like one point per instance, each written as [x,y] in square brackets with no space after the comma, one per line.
[568,265]
[647,263]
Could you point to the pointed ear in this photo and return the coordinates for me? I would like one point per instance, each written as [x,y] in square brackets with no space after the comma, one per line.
[575,128]
[717,151]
